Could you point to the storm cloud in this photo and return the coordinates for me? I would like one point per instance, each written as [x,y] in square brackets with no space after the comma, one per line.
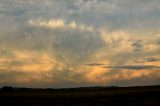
[58,43]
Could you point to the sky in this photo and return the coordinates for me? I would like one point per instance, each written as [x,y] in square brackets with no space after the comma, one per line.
[75,43]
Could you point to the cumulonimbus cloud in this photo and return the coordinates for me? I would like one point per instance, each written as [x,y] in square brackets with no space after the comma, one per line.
[75,42]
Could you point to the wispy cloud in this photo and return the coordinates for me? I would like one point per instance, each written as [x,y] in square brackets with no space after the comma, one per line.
[134,67]
[95,64]
[59,23]
[148,59]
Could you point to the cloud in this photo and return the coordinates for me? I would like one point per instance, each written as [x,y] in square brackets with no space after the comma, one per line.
[58,43]
[107,76]
[117,40]
[47,54]
[61,24]
[117,14]
[138,45]
[152,59]
[135,67]
[95,64]
[148,59]
[50,24]
[27,62]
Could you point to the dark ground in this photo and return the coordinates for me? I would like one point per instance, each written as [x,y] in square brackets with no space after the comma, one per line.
[88,96]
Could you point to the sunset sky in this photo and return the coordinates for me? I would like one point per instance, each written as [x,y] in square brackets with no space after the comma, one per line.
[72,43]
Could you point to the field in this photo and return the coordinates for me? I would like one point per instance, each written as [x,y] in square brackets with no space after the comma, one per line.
[84,96]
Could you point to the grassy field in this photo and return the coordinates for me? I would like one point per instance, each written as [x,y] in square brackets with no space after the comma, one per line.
[85,96]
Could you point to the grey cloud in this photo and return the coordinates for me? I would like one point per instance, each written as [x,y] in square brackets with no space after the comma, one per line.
[79,42]
[65,45]
[114,6]
[148,59]
[86,11]
[137,45]
[158,41]
[95,64]
[134,67]
[74,41]
[152,59]
[10,74]
[67,75]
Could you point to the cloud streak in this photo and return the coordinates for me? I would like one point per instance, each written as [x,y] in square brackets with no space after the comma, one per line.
[135,67]
[59,23]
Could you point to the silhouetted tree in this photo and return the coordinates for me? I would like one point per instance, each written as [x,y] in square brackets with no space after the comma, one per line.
[7,89]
